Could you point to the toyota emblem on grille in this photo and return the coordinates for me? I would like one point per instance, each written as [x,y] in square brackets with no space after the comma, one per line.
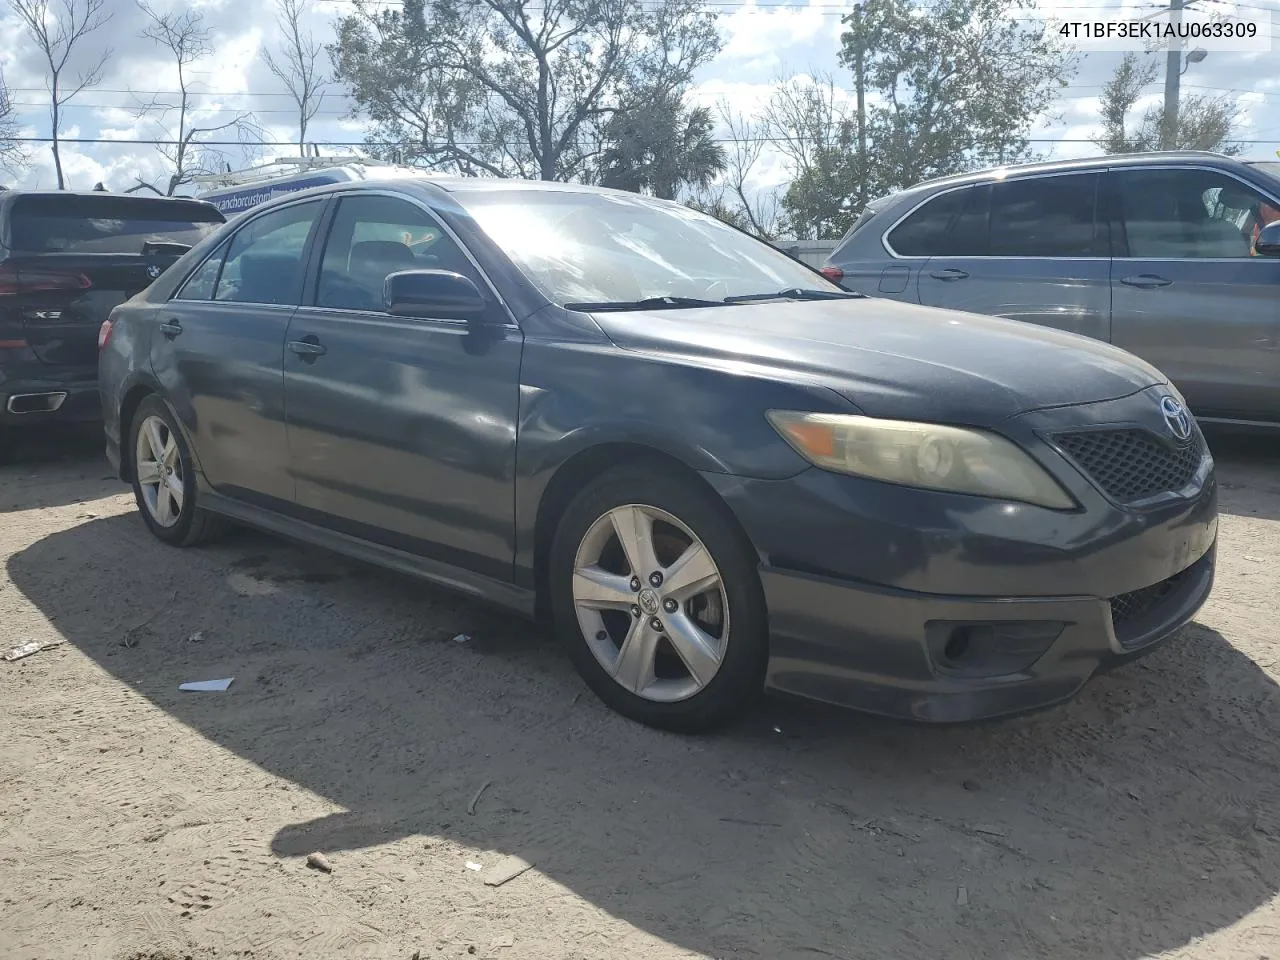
[153,271]
[1175,414]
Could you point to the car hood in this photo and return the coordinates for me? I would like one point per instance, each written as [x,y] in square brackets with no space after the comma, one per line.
[895,360]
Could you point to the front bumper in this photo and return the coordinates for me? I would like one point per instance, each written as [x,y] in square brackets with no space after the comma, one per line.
[942,607]
[883,651]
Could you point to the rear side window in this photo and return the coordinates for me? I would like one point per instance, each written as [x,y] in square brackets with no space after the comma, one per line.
[73,223]
[200,284]
[1046,217]
[264,260]
[953,224]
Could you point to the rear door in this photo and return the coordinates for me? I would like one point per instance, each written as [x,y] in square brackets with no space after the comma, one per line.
[218,351]
[1031,249]
[1188,295]
[71,258]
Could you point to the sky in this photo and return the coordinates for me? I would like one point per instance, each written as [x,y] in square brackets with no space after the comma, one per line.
[764,41]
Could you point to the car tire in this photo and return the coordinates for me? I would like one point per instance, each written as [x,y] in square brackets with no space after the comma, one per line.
[169,504]
[708,659]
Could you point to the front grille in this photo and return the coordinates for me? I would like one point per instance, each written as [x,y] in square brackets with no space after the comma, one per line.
[1133,464]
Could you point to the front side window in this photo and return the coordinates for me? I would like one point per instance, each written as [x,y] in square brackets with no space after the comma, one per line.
[265,259]
[375,236]
[582,247]
[1190,214]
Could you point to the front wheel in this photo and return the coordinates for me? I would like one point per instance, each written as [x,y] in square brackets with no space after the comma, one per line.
[659,600]
[164,482]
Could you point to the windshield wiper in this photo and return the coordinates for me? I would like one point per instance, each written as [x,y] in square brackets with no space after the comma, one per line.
[797,293]
[648,303]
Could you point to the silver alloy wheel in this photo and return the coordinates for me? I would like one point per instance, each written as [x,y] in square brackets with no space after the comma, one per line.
[650,603]
[158,468]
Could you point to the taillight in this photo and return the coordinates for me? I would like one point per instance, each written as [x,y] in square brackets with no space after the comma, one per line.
[104,333]
[14,281]
[833,273]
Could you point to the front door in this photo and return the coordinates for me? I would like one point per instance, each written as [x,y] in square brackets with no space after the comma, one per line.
[1188,295]
[403,431]
[218,349]
[1030,249]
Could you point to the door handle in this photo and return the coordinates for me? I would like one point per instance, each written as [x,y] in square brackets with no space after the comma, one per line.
[171,328]
[308,348]
[1146,281]
[949,274]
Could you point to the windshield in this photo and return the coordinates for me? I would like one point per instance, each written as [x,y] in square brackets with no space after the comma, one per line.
[595,248]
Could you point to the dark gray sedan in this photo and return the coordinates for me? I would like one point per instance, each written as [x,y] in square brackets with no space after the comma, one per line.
[710,468]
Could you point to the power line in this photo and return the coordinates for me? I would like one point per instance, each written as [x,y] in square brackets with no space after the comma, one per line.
[396,143]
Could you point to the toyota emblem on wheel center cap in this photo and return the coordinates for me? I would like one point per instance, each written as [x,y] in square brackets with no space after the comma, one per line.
[1175,414]
[648,601]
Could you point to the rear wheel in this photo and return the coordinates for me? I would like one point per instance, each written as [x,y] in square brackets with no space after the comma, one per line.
[164,483]
[659,600]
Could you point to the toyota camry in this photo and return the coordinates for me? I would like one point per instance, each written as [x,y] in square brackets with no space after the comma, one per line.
[710,469]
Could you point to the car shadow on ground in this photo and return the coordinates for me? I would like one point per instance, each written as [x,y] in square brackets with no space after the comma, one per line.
[54,466]
[1128,822]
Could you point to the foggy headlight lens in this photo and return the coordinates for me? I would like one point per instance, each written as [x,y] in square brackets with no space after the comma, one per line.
[937,457]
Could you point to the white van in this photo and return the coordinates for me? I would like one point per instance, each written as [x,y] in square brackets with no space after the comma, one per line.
[236,192]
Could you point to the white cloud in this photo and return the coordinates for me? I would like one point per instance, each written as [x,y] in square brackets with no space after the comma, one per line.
[759,34]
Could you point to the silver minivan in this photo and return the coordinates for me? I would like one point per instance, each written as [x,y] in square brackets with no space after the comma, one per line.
[1162,254]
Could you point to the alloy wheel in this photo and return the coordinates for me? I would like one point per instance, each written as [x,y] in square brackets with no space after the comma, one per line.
[158,467]
[651,603]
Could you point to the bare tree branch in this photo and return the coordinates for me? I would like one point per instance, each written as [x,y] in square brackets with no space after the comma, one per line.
[13,157]
[298,65]
[188,40]
[58,29]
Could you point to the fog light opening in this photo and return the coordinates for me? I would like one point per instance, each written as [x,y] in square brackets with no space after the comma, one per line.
[957,645]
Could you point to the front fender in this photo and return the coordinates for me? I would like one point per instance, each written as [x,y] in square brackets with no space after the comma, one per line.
[575,397]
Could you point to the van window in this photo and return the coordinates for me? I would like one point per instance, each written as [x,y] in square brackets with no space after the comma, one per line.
[76,223]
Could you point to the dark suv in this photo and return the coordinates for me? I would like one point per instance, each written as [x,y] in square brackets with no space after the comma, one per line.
[1155,253]
[66,259]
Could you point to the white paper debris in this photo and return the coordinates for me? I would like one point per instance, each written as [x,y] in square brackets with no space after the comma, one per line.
[461,638]
[473,866]
[206,686]
[30,647]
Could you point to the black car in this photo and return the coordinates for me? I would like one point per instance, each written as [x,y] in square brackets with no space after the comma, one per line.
[66,259]
[710,468]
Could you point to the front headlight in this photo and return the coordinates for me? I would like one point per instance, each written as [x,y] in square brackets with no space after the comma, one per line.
[956,459]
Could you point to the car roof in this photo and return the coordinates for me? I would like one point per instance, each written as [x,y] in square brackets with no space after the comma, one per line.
[1068,166]
[427,188]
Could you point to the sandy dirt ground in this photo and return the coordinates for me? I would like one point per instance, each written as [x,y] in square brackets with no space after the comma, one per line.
[1140,820]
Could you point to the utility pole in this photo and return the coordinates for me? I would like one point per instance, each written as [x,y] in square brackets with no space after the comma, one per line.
[860,87]
[1172,79]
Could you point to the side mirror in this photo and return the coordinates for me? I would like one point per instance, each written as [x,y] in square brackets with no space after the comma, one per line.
[432,294]
[1268,244]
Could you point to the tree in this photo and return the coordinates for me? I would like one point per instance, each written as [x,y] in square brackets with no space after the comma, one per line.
[810,122]
[58,30]
[13,158]
[659,146]
[958,83]
[1204,122]
[185,36]
[298,64]
[505,87]
[733,198]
